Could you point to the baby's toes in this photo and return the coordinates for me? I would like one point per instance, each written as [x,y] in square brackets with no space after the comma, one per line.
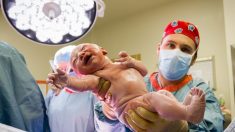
[193,91]
[200,92]
[202,97]
[197,91]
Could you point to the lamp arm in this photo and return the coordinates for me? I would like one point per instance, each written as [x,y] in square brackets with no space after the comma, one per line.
[101,8]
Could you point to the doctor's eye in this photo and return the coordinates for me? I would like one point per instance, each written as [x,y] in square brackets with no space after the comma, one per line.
[186,50]
[171,45]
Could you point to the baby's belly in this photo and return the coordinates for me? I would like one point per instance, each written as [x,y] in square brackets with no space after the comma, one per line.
[131,104]
[118,96]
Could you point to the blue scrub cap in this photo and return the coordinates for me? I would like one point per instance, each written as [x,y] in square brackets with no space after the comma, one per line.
[63,55]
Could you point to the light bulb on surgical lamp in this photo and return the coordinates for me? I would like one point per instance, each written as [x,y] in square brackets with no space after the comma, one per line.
[52,22]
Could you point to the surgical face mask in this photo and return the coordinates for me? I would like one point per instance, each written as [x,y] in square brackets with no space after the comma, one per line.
[174,64]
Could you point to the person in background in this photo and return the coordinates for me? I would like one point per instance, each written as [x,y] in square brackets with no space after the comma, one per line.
[177,52]
[21,102]
[68,110]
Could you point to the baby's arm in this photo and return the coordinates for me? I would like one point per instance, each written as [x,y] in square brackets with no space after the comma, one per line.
[130,62]
[139,66]
[60,80]
[84,83]
[99,86]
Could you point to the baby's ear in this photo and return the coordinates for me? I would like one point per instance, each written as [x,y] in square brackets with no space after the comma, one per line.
[104,51]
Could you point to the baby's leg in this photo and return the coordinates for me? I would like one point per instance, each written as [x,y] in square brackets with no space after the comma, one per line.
[167,93]
[166,105]
[195,106]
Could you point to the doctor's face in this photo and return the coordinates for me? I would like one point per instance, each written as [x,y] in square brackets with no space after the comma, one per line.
[182,42]
[178,41]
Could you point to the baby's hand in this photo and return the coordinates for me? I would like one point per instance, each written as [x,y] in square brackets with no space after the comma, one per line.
[59,79]
[125,60]
[55,90]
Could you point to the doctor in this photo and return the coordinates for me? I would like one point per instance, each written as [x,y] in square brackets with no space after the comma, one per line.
[177,52]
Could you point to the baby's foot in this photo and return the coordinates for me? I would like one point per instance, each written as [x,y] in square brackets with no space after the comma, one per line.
[196,107]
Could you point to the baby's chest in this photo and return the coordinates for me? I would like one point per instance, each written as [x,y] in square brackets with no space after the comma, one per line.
[126,82]
[124,77]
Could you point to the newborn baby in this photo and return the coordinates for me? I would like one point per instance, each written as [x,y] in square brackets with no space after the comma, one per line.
[127,84]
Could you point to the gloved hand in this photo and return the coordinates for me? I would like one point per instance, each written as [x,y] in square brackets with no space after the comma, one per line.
[101,92]
[102,89]
[142,120]
[140,116]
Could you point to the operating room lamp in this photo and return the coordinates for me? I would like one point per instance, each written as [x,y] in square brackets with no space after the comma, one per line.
[52,22]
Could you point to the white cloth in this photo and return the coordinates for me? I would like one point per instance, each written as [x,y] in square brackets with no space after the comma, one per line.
[6,128]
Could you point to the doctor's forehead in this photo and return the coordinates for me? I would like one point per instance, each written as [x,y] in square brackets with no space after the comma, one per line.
[179,39]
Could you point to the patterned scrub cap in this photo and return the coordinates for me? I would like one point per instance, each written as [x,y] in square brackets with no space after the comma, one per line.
[182,27]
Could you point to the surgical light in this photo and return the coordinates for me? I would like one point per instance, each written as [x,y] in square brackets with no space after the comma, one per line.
[52,22]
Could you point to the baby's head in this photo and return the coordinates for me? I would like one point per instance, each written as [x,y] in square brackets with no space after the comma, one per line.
[88,58]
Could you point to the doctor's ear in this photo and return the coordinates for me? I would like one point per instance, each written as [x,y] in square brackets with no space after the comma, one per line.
[158,48]
[194,59]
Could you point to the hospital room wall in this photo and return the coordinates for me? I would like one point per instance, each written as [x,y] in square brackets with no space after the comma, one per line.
[141,32]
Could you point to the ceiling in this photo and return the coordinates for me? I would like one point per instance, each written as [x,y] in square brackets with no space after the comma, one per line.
[116,9]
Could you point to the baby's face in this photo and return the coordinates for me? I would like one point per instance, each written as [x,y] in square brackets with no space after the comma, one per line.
[87,58]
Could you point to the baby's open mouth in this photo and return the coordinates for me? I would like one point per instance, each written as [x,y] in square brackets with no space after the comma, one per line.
[86,59]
